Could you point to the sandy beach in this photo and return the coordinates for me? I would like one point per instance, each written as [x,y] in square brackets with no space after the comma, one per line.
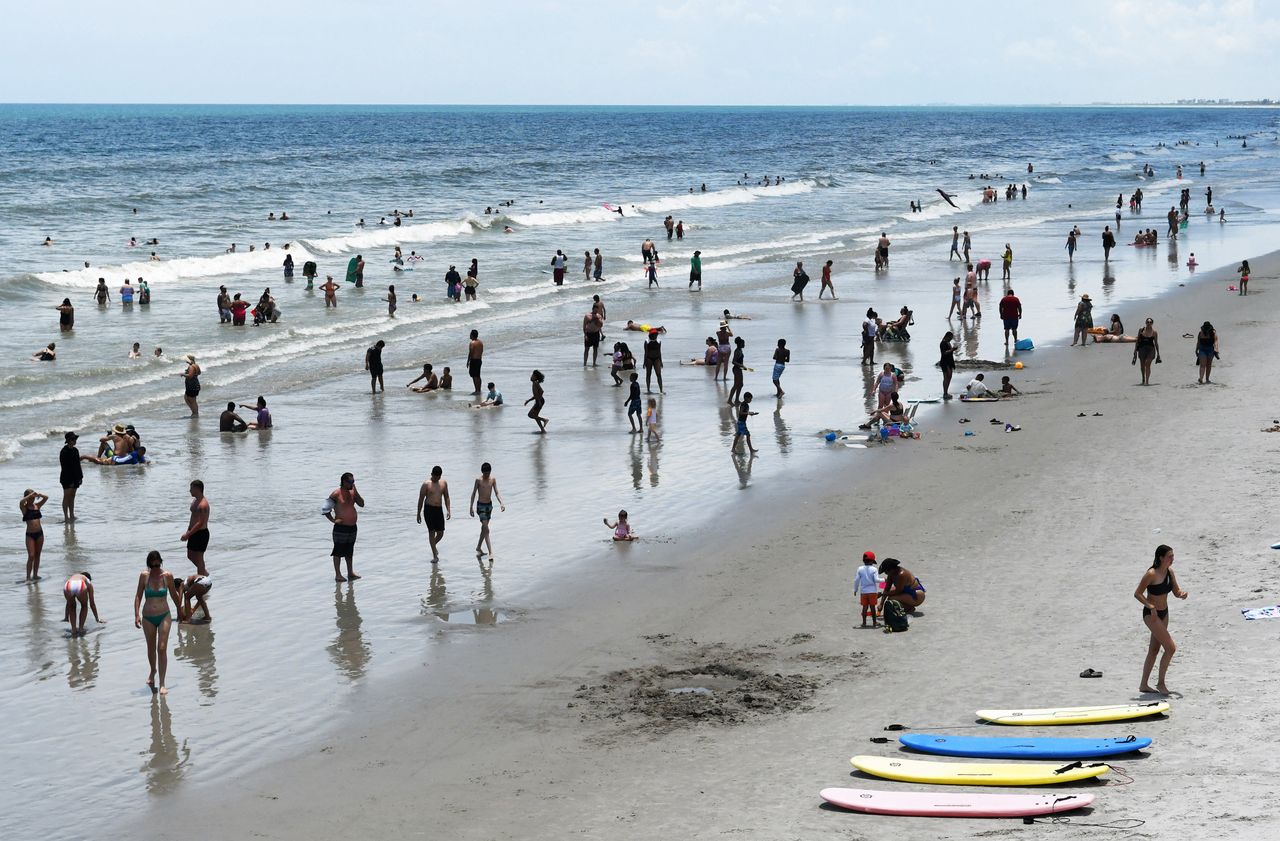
[1030,544]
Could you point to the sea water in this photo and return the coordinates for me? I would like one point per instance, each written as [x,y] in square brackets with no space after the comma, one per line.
[288,648]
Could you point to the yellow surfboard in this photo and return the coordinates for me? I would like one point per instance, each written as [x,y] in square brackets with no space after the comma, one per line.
[978,773]
[1075,715]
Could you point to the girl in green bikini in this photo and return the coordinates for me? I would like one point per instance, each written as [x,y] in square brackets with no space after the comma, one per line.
[151,614]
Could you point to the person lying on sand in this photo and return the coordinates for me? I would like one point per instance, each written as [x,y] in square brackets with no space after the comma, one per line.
[1114,333]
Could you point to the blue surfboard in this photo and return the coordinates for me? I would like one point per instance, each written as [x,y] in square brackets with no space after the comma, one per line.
[1009,747]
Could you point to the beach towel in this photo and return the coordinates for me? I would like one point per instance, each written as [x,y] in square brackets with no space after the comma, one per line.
[1271,611]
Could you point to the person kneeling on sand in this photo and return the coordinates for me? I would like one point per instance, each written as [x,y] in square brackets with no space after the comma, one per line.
[622,528]
[900,586]
[978,388]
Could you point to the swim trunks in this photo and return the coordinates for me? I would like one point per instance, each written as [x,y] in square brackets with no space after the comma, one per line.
[193,386]
[742,427]
[1011,324]
[868,599]
[434,516]
[484,510]
[344,541]
[633,408]
[591,340]
[473,367]
[778,368]
[199,541]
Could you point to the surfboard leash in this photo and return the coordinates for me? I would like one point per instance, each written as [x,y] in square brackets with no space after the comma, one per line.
[1118,823]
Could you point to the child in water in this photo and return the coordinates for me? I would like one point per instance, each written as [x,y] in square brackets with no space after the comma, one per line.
[622,528]
[1007,388]
[651,420]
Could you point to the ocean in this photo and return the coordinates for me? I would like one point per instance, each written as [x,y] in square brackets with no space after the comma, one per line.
[289,652]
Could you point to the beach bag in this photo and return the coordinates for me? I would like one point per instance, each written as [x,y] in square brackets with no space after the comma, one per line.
[895,617]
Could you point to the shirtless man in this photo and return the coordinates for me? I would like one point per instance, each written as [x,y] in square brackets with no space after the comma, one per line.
[197,534]
[475,354]
[483,493]
[592,323]
[433,493]
[340,509]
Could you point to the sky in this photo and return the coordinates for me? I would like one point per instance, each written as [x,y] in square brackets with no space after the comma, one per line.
[653,52]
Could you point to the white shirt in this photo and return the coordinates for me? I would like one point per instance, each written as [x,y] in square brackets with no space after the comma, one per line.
[867,581]
[558,262]
[977,388]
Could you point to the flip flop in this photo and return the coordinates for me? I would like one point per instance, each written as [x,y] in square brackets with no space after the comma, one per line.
[1097,414]
[1090,673]
[1081,415]
[996,422]
[966,420]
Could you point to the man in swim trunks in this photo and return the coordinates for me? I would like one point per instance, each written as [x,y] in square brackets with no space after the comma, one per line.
[1010,313]
[229,421]
[433,503]
[340,509]
[475,354]
[197,534]
[483,493]
[591,326]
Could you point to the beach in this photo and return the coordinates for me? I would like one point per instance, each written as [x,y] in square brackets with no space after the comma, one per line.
[1030,544]
[535,684]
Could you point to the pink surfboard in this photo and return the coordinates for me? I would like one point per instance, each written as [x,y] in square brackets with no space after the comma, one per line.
[948,804]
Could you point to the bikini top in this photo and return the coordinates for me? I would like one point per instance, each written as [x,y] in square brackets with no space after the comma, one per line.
[31,514]
[154,594]
[1163,588]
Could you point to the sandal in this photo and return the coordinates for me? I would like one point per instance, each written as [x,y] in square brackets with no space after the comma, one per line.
[996,422]
[1090,673]
[965,420]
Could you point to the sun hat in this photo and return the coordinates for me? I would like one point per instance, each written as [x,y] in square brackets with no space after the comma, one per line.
[70,436]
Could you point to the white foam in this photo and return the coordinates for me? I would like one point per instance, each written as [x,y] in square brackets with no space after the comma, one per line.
[387,236]
[1121,156]
[168,271]
[1053,179]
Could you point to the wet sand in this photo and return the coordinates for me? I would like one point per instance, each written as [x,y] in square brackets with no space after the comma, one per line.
[1030,545]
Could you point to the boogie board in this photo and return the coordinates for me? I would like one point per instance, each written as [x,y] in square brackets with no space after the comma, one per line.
[966,399]
[1075,715]
[1002,747]
[978,773]
[944,804]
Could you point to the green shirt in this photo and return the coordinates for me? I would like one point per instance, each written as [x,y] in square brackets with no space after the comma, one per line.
[695,264]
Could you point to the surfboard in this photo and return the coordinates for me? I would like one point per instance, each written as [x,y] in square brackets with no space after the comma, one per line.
[1003,747]
[1275,545]
[926,400]
[978,773]
[965,399]
[1075,715]
[944,804]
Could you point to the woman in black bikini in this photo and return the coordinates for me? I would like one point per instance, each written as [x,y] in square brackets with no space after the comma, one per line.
[192,388]
[1153,591]
[1147,349]
[30,505]
[947,363]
